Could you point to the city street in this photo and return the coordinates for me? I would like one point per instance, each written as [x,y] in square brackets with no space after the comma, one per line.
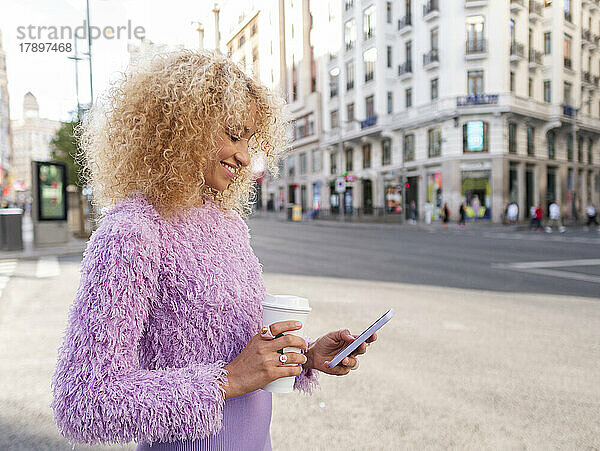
[477,357]
[480,257]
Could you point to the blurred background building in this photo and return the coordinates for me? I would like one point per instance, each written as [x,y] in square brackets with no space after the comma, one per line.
[6,149]
[475,101]
[31,141]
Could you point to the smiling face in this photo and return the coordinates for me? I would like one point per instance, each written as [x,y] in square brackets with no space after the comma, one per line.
[232,155]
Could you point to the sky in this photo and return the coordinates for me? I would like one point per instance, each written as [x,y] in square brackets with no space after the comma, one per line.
[50,76]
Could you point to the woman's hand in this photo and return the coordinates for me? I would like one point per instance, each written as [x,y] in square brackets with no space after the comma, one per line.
[258,363]
[326,348]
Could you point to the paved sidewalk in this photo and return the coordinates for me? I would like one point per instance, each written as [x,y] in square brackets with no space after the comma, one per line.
[455,368]
[74,246]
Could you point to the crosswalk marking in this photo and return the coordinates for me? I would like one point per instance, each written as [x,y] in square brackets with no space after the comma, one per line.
[543,268]
[7,269]
[532,236]
[47,267]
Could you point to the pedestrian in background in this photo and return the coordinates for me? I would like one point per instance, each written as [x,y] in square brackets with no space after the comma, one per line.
[413,212]
[512,213]
[462,214]
[445,215]
[554,216]
[591,214]
[165,343]
[532,216]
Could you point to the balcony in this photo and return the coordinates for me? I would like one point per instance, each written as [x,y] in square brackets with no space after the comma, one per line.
[586,35]
[568,16]
[568,64]
[517,51]
[431,10]
[535,10]
[516,5]
[596,81]
[535,58]
[405,24]
[368,122]
[475,3]
[475,48]
[586,77]
[431,60]
[405,70]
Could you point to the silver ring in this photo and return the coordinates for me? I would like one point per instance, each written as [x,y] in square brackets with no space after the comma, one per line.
[283,358]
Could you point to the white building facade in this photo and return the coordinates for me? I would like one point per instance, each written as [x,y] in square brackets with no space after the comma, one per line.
[432,102]
[6,151]
[31,140]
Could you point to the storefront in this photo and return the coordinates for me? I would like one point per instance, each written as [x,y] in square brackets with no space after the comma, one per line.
[477,193]
[334,199]
[434,193]
[316,200]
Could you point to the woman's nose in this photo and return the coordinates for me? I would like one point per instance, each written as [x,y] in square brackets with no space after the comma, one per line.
[242,155]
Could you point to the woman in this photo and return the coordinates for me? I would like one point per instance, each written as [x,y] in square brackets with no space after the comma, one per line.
[162,344]
[462,215]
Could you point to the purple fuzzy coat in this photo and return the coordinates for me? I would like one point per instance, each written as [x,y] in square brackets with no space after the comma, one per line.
[161,307]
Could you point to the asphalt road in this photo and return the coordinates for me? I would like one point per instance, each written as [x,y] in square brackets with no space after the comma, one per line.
[480,258]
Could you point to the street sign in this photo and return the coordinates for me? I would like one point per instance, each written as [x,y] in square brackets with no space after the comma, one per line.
[340,185]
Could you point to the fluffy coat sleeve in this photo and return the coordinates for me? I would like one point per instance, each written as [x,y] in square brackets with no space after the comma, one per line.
[100,393]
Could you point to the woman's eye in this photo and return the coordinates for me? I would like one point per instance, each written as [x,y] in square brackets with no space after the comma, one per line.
[233,138]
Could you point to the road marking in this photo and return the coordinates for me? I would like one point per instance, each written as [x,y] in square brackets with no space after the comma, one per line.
[47,267]
[540,267]
[7,269]
[534,236]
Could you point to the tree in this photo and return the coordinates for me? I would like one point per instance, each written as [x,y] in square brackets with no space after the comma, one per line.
[64,148]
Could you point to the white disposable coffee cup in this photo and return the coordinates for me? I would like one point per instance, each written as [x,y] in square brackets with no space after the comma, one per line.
[283,307]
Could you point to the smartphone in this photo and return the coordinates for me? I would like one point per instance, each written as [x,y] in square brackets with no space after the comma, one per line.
[361,338]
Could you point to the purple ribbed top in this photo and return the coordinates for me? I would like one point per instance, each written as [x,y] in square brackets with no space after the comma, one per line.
[161,307]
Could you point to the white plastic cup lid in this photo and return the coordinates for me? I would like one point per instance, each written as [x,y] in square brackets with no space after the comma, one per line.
[286,302]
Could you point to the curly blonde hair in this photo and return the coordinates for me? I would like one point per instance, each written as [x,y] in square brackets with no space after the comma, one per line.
[156,129]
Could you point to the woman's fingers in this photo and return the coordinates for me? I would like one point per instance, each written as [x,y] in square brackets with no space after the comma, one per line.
[285,326]
[288,340]
[289,358]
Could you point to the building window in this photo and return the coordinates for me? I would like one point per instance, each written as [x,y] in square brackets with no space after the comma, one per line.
[349,154]
[388,12]
[475,136]
[567,6]
[294,81]
[475,82]
[390,102]
[530,140]
[434,142]
[567,51]
[408,95]
[369,57]
[334,75]
[349,76]
[409,147]
[434,89]
[316,160]
[530,87]
[580,149]
[369,107]
[512,82]
[548,43]
[570,147]
[253,29]
[389,56]
[386,152]
[333,116]
[369,22]
[434,39]
[366,153]
[303,167]
[350,34]
[348,4]
[567,93]
[333,163]
[350,112]
[512,137]
[408,50]
[241,40]
[475,35]
[547,91]
[291,165]
[304,126]
[550,142]
[590,150]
